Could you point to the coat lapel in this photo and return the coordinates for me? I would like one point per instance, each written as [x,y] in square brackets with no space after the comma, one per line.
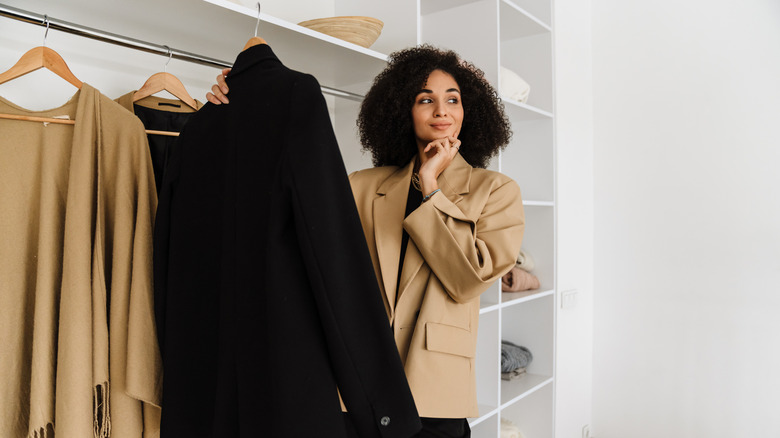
[389,209]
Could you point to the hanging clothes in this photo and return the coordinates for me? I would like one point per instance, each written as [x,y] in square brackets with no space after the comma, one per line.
[262,274]
[159,114]
[79,351]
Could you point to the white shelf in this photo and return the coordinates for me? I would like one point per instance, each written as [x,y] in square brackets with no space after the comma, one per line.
[531,412]
[334,62]
[514,390]
[488,307]
[523,111]
[516,22]
[431,6]
[531,203]
[514,298]
[485,412]
[267,31]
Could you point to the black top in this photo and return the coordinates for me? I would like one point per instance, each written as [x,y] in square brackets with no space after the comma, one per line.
[413,200]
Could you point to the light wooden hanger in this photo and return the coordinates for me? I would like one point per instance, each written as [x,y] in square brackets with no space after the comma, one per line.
[35,59]
[165,81]
[40,57]
[255,40]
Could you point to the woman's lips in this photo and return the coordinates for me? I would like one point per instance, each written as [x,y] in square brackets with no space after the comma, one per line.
[441,126]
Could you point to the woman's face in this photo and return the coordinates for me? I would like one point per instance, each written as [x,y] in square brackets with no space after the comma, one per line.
[437,111]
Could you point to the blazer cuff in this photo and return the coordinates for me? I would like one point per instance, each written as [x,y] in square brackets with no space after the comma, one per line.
[443,204]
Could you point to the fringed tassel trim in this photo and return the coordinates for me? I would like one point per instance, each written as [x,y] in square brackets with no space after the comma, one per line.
[43,432]
[100,402]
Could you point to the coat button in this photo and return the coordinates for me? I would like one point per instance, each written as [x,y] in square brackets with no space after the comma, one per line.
[384,421]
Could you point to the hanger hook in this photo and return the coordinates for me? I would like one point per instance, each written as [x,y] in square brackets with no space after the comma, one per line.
[258,18]
[46,34]
[170,55]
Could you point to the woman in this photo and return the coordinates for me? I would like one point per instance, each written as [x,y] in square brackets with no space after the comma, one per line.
[439,231]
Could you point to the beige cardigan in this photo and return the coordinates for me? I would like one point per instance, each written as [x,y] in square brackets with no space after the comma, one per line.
[77,208]
[462,240]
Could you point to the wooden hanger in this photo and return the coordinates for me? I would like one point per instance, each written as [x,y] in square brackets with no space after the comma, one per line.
[37,58]
[40,57]
[255,40]
[71,122]
[165,81]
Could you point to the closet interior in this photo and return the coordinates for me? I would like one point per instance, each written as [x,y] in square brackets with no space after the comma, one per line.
[507,39]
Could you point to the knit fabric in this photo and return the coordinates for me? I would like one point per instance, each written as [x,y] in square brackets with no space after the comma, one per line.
[518,280]
[514,357]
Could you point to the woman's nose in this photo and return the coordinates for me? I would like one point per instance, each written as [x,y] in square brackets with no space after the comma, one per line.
[440,110]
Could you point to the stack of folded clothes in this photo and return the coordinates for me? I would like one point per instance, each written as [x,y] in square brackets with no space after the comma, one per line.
[520,277]
[510,430]
[514,360]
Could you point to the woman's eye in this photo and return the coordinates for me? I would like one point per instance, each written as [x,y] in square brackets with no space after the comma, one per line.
[452,100]
[426,100]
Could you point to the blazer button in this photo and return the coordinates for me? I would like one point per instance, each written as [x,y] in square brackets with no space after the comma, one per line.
[384,421]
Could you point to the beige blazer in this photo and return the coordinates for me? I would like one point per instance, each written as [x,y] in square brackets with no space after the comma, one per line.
[461,241]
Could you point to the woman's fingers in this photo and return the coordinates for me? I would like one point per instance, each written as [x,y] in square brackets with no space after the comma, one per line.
[455,143]
[447,144]
[221,80]
[438,155]
[218,94]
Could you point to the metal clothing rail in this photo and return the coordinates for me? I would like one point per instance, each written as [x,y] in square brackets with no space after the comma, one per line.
[120,40]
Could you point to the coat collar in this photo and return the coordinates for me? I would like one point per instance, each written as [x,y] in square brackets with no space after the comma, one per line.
[389,209]
[251,56]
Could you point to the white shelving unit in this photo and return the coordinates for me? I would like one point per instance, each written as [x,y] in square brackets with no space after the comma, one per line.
[516,34]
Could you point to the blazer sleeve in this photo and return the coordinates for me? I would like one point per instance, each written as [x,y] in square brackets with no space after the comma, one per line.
[468,255]
[368,370]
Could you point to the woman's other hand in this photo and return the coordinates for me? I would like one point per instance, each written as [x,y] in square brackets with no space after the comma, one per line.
[219,91]
[436,157]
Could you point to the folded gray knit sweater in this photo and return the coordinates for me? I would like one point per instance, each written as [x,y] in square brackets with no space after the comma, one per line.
[514,357]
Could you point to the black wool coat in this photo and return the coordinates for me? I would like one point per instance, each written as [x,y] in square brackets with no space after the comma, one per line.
[265,296]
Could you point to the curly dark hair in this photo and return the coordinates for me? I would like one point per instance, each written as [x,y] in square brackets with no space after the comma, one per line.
[385,121]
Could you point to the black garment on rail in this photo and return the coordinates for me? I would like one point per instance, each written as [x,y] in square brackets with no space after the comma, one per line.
[160,145]
[265,294]
[159,114]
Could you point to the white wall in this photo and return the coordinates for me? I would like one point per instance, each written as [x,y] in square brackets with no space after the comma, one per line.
[574,142]
[687,218]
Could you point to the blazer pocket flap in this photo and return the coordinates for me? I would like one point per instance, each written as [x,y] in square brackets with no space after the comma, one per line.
[449,339]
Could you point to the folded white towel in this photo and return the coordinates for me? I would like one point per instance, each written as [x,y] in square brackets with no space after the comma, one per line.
[525,261]
[513,86]
[509,430]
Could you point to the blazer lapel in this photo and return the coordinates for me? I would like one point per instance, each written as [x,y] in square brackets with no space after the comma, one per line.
[453,182]
[412,262]
[389,209]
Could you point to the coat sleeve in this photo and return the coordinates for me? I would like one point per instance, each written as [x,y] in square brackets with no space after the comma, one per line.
[365,360]
[468,255]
